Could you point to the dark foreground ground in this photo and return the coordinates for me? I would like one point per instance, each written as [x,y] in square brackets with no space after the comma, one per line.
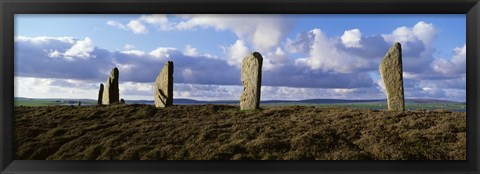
[207,132]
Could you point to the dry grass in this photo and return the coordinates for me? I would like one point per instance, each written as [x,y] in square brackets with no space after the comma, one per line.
[221,132]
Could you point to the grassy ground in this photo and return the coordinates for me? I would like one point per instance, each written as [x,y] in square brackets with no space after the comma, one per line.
[208,132]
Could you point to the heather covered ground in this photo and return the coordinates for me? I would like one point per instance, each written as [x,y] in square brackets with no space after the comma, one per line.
[223,132]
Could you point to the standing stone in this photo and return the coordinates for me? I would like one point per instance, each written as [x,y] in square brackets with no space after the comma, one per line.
[164,86]
[100,94]
[122,101]
[111,92]
[252,81]
[391,72]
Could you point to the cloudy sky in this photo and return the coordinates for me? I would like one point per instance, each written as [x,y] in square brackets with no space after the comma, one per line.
[305,56]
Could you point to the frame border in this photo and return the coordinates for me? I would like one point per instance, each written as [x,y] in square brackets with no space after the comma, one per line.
[8,8]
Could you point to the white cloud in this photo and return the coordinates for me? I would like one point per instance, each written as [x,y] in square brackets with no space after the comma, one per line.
[425,32]
[237,52]
[401,34]
[417,48]
[381,85]
[54,88]
[190,51]
[274,59]
[128,47]
[135,90]
[116,24]
[187,73]
[43,39]
[137,27]
[134,25]
[134,52]
[81,49]
[351,38]
[54,54]
[264,31]
[456,65]
[326,59]
[162,52]
[160,20]
[291,93]
[325,55]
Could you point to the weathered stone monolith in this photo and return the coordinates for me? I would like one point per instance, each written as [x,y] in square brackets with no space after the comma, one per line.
[164,86]
[391,72]
[252,81]
[100,94]
[111,92]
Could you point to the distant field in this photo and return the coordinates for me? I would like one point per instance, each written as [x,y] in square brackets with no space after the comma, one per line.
[456,107]
[223,132]
[50,102]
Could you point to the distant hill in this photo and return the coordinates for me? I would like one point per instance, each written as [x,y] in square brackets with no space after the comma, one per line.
[308,101]
[433,101]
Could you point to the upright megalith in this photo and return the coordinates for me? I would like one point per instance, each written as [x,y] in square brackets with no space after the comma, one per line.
[391,72]
[100,94]
[111,92]
[164,86]
[252,81]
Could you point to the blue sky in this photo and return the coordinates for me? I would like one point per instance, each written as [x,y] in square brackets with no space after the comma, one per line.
[305,56]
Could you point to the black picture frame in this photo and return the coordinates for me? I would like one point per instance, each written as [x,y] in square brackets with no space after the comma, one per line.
[11,7]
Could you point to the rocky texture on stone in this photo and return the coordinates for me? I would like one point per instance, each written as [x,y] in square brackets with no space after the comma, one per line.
[391,72]
[111,92]
[100,94]
[252,81]
[164,86]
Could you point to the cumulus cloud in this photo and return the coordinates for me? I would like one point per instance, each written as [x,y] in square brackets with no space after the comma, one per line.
[263,31]
[43,39]
[134,25]
[237,52]
[162,52]
[128,47]
[346,60]
[159,20]
[81,49]
[417,48]
[275,59]
[456,65]
[190,51]
[54,88]
[325,55]
[54,53]
[117,24]
[134,52]
[137,27]
[57,88]
[144,66]
[351,38]
[291,93]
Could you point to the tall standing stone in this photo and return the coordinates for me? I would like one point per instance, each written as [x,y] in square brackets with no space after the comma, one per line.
[111,92]
[252,81]
[391,72]
[164,86]
[100,94]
